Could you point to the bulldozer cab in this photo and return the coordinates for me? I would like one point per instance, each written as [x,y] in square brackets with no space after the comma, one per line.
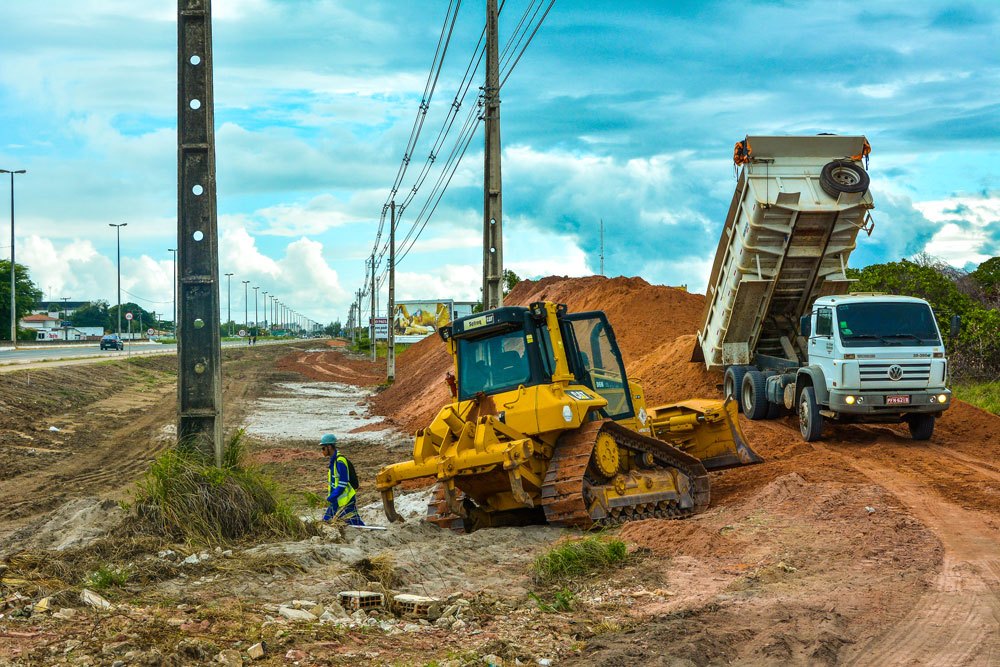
[595,360]
[513,346]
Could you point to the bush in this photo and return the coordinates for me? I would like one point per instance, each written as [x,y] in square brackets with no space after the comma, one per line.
[579,557]
[185,496]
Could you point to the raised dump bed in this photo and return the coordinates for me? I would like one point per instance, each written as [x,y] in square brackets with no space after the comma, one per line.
[799,205]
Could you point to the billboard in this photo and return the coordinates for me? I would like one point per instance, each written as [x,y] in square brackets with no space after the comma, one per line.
[381,327]
[415,320]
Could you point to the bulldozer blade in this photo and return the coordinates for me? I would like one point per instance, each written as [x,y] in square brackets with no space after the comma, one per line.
[389,507]
[741,454]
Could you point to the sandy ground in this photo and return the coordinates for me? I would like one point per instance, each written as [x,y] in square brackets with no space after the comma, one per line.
[864,548]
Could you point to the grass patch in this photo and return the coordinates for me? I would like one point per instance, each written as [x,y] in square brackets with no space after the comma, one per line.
[985,395]
[106,577]
[561,601]
[185,496]
[579,557]
[380,568]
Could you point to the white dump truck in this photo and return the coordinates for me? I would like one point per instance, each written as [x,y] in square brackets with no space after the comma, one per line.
[780,318]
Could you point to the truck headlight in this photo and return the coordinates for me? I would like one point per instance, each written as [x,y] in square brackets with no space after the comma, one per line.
[942,398]
[849,400]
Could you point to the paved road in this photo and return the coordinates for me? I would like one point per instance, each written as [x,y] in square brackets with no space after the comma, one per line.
[13,358]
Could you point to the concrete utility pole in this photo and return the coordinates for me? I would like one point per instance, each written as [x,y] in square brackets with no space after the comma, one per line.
[246,304]
[174,308]
[374,310]
[118,230]
[256,315]
[492,200]
[229,303]
[390,353]
[199,347]
[13,282]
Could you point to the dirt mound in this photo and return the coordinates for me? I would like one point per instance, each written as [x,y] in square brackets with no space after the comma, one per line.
[77,523]
[664,537]
[320,364]
[654,325]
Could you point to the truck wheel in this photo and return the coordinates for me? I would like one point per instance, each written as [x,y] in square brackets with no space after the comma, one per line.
[810,420]
[732,385]
[843,176]
[754,395]
[921,426]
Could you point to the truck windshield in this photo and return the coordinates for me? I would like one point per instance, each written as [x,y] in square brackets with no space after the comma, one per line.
[492,364]
[878,324]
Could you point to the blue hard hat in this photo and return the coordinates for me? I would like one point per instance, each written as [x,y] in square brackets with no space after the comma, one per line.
[328,439]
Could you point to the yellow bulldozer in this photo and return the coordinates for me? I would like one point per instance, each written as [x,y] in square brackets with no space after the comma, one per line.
[545,426]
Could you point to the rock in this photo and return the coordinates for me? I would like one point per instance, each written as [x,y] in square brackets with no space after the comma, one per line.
[228,553]
[317,610]
[302,604]
[493,660]
[256,652]
[450,611]
[167,554]
[293,614]
[194,559]
[359,616]
[118,663]
[92,599]
[412,627]
[458,625]
[338,611]
[296,655]
[545,662]
[386,626]
[65,613]
[70,645]
[229,658]
[444,622]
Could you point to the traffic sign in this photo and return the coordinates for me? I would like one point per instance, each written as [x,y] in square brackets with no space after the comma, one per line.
[243,332]
[128,316]
[150,332]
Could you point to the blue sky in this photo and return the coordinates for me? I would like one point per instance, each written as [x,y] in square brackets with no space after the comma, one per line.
[625,111]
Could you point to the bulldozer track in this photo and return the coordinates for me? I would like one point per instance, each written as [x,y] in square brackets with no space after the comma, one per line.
[564,491]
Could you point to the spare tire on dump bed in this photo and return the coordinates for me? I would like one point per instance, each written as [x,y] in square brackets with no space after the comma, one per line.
[843,176]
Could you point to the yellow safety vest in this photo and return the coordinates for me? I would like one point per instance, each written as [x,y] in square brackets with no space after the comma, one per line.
[332,480]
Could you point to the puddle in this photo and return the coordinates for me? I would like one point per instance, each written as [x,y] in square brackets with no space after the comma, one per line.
[301,411]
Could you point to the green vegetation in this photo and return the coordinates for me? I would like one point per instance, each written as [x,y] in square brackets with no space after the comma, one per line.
[579,557]
[985,395]
[106,577]
[562,600]
[975,297]
[26,296]
[185,496]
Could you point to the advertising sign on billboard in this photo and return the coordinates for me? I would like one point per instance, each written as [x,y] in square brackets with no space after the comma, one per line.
[416,320]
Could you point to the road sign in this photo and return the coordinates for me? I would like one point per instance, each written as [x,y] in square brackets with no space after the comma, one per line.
[128,316]
[150,332]
[243,332]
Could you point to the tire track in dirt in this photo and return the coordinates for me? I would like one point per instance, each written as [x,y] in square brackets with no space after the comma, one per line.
[982,467]
[957,622]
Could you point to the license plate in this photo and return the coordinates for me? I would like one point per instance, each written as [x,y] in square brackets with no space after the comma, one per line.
[897,400]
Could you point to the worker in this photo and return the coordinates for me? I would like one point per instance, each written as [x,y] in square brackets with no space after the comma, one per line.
[341,493]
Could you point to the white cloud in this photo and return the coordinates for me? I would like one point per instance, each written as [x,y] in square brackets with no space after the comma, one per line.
[964,220]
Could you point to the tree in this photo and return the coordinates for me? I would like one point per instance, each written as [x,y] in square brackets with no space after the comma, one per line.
[987,274]
[26,296]
[92,314]
[509,280]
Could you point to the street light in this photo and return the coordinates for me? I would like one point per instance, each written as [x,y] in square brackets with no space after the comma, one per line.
[229,302]
[118,230]
[265,310]
[13,308]
[246,305]
[256,317]
[174,250]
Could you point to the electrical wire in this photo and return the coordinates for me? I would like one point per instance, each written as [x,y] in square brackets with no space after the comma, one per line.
[525,47]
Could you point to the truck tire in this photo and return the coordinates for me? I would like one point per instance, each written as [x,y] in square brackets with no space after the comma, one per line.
[810,420]
[732,384]
[754,395]
[843,176]
[921,426]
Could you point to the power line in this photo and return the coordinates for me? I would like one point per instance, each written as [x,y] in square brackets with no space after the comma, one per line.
[525,47]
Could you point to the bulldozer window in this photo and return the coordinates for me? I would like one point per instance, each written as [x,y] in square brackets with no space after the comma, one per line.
[492,364]
[599,365]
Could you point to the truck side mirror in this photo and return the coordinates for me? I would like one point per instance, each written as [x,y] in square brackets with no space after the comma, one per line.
[805,326]
[824,322]
[956,325]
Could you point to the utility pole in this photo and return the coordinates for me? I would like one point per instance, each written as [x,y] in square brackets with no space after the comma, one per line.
[118,230]
[174,310]
[492,200]
[602,246]
[246,305]
[390,352]
[229,302]
[374,310]
[13,282]
[199,347]
[256,315]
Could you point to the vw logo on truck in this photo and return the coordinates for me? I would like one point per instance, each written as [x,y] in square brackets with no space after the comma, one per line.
[895,372]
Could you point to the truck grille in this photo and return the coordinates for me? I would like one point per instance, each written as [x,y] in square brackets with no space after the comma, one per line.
[895,373]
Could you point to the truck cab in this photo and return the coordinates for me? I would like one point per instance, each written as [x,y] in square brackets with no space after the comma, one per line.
[873,358]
